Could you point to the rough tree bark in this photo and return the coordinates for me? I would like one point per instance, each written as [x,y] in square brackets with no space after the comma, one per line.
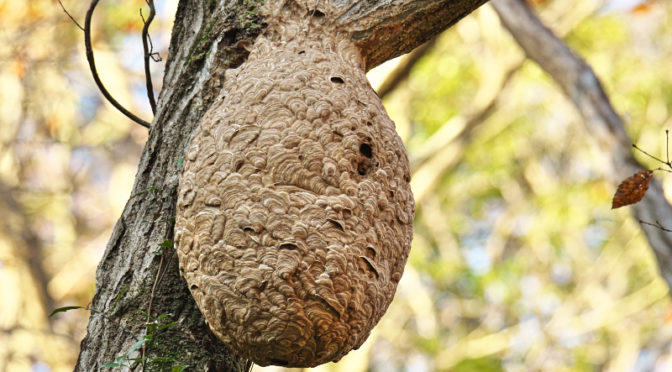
[580,84]
[137,275]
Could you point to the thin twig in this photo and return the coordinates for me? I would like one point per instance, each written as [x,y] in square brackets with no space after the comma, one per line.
[657,225]
[667,145]
[148,47]
[69,15]
[667,153]
[156,281]
[651,156]
[94,71]
[149,305]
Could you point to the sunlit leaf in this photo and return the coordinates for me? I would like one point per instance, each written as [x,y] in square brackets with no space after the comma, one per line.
[642,8]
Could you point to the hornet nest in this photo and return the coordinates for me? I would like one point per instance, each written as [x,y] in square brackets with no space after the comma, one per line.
[294,217]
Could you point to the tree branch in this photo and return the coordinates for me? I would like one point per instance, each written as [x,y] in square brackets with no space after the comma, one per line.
[385,29]
[69,15]
[148,49]
[579,82]
[94,71]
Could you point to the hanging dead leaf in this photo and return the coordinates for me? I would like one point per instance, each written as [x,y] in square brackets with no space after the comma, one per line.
[632,189]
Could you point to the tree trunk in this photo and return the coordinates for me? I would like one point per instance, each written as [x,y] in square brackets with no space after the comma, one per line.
[138,274]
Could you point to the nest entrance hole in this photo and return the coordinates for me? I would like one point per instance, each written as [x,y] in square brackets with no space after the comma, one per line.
[289,246]
[365,164]
[316,13]
[365,149]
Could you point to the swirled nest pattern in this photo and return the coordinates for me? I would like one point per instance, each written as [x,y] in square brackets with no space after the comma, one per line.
[294,217]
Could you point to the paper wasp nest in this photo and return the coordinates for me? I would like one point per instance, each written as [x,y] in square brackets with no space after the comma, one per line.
[294,218]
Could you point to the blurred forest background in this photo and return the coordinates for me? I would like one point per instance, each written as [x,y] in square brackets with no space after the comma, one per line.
[518,263]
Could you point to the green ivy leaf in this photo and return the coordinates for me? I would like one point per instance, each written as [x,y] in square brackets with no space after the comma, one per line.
[163,316]
[171,324]
[137,345]
[143,313]
[64,309]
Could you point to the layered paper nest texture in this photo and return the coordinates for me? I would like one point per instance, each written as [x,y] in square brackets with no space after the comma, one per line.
[294,216]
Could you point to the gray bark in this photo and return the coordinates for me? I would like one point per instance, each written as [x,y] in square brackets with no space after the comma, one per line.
[580,84]
[208,38]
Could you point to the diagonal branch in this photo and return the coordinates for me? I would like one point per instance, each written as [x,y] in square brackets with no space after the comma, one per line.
[94,71]
[28,245]
[384,29]
[579,82]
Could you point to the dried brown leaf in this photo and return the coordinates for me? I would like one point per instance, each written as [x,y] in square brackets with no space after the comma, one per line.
[632,189]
